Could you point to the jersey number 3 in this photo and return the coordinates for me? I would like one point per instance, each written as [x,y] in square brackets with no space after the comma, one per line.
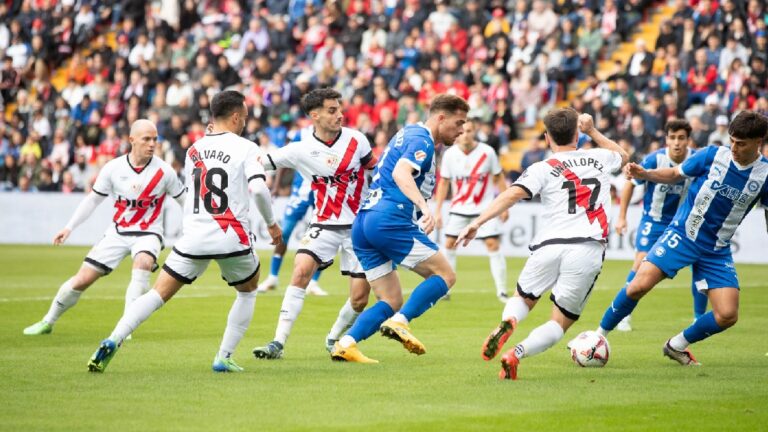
[205,181]
[574,191]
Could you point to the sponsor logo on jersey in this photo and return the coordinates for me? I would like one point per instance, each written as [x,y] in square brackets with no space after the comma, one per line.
[137,203]
[342,178]
[420,155]
[730,192]
[671,189]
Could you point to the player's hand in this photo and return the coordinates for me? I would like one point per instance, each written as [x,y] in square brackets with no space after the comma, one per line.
[276,233]
[504,215]
[467,234]
[634,171]
[427,221]
[438,220]
[61,236]
[621,226]
[586,124]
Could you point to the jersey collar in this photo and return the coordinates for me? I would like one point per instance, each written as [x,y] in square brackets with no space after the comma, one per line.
[327,143]
[428,131]
[140,169]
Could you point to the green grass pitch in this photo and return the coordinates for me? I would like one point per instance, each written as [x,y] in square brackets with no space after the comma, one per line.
[161,380]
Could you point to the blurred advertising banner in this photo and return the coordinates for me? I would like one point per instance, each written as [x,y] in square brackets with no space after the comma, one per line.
[34,218]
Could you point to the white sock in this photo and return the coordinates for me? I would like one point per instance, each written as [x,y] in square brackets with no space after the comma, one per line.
[451,255]
[347,341]
[65,299]
[398,317]
[499,271]
[138,286]
[540,339]
[346,318]
[137,313]
[678,342]
[237,322]
[515,308]
[290,310]
[601,331]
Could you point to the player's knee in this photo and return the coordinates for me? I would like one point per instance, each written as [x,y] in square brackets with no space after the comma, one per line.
[449,276]
[638,288]
[143,261]
[358,303]
[726,318]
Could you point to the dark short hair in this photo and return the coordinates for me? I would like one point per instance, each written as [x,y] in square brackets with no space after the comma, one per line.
[316,98]
[677,125]
[448,104]
[561,124]
[226,103]
[748,125]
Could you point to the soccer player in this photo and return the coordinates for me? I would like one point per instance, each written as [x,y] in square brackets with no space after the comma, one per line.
[468,168]
[726,183]
[335,158]
[223,172]
[299,203]
[138,183]
[660,203]
[392,228]
[567,254]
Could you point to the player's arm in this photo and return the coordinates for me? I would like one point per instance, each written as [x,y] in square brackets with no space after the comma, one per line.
[442,192]
[403,177]
[82,212]
[278,178]
[501,186]
[504,201]
[659,175]
[587,126]
[626,197]
[263,199]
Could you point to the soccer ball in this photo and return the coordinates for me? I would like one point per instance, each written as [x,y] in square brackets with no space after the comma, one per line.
[590,349]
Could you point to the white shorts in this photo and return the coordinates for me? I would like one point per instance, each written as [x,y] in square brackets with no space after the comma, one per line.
[106,255]
[236,268]
[457,222]
[323,242]
[570,270]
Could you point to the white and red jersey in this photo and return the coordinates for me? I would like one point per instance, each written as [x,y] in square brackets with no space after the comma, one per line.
[217,170]
[335,169]
[471,175]
[575,190]
[139,193]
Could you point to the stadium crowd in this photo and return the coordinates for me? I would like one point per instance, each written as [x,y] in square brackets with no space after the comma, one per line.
[512,60]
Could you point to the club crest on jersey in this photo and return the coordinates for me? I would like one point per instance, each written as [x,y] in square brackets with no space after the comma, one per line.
[331,160]
[136,188]
[660,251]
[420,155]
[753,186]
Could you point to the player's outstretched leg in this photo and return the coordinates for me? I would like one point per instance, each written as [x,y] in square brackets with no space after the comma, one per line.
[366,325]
[347,317]
[103,355]
[539,340]
[238,320]
[67,296]
[625,324]
[293,303]
[515,310]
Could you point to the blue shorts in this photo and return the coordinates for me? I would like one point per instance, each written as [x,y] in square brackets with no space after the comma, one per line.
[711,269]
[382,240]
[648,232]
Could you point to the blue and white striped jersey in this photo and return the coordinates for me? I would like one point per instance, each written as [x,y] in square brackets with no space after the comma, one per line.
[413,143]
[661,201]
[720,196]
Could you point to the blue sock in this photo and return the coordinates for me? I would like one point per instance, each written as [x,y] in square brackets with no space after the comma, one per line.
[370,320]
[316,276]
[702,328]
[699,302]
[621,307]
[630,276]
[275,264]
[424,297]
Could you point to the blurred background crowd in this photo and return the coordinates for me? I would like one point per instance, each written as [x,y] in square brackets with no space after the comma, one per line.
[76,73]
